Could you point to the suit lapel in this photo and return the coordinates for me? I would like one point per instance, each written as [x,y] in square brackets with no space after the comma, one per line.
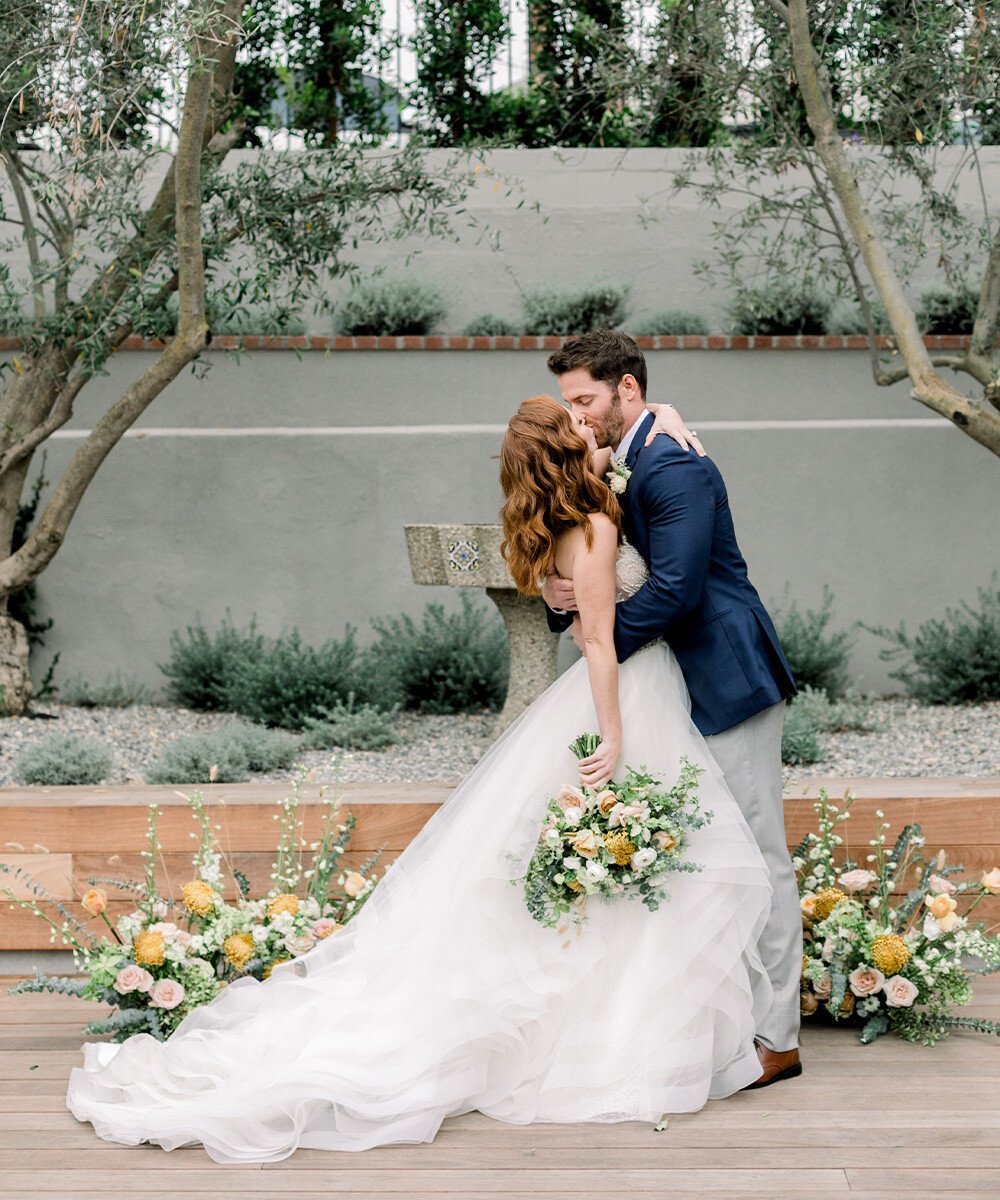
[637,442]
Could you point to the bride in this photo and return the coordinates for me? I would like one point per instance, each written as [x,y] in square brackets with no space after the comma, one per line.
[444,996]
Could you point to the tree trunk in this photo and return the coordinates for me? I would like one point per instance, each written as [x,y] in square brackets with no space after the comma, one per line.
[15,680]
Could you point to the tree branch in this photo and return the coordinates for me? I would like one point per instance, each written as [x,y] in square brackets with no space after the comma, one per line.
[222,29]
[929,388]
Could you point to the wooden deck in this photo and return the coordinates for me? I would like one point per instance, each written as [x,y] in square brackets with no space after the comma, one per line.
[878,1122]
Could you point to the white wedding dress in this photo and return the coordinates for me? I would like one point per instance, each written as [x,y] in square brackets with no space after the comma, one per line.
[444,996]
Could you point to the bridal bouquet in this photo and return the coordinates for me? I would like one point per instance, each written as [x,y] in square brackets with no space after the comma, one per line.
[881,955]
[156,964]
[619,841]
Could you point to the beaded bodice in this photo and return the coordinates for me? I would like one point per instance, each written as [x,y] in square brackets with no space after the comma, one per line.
[631,571]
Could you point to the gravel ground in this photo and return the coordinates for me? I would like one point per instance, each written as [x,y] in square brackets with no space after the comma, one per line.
[908,739]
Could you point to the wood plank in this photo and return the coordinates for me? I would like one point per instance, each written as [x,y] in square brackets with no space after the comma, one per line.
[948,819]
[65,876]
[277,1181]
[126,795]
[511,1140]
[775,1189]
[103,829]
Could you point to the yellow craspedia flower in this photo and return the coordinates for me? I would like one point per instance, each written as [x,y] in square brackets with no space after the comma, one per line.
[238,948]
[574,885]
[285,903]
[890,953]
[199,897]
[620,846]
[825,902]
[147,949]
[270,966]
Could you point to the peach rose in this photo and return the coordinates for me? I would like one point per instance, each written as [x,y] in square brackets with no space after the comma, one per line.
[569,796]
[900,992]
[807,904]
[605,801]
[166,993]
[991,881]
[940,884]
[808,1004]
[132,979]
[325,926]
[856,881]
[940,906]
[354,884]
[949,922]
[587,843]
[664,841]
[95,901]
[866,981]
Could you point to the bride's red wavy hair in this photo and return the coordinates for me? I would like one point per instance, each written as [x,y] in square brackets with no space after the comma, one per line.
[551,486]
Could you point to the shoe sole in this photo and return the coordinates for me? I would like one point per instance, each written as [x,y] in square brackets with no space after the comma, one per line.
[792,1072]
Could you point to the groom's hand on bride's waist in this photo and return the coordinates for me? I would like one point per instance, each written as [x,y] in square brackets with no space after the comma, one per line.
[558,593]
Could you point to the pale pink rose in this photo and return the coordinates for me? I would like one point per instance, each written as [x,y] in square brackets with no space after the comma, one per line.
[827,952]
[900,992]
[354,884]
[856,881]
[991,881]
[132,979]
[166,993]
[866,981]
[167,928]
[636,812]
[940,884]
[181,938]
[587,843]
[324,927]
[823,986]
[299,943]
[615,816]
[570,797]
[626,812]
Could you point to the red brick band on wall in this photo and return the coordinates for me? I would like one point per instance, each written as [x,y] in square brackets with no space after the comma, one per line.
[712,341]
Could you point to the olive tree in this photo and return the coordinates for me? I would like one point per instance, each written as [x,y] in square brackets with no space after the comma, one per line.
[850,127]
[121,236]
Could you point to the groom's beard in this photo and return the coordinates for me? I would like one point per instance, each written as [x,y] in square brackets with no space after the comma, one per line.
[611,430]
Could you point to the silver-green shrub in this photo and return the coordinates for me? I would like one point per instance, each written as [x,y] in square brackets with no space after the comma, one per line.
[551,312]
[387,306]
[61,759]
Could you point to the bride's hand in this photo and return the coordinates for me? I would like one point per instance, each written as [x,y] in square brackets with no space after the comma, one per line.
[600,766]
[669,421]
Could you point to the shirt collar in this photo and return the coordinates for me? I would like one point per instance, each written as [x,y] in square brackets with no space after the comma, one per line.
[626,443]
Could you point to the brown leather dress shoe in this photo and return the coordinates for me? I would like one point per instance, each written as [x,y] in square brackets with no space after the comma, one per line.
[775,1066]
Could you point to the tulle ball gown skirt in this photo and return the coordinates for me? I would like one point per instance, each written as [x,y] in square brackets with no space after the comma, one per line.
[444,996]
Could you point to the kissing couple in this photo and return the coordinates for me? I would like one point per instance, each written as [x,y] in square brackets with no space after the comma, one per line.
[443,995]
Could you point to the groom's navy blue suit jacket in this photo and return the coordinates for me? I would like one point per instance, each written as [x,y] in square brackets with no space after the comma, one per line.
[698,596]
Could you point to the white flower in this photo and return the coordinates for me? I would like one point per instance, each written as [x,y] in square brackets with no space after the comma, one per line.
[571,864]
[596,871]
[573,816]
[617,483]
[552,838]
[642,858]
[259,934]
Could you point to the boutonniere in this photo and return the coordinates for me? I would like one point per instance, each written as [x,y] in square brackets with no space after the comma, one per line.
[618,477]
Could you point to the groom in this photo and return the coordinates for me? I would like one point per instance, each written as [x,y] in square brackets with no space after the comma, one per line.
[698,597]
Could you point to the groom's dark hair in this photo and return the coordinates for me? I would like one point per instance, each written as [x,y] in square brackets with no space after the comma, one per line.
[607,354]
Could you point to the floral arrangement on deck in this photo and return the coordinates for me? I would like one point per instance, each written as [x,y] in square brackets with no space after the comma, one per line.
[169,956]
[879,955]
[620,840]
